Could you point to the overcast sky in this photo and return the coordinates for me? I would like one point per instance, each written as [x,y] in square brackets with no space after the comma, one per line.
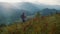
[49,2]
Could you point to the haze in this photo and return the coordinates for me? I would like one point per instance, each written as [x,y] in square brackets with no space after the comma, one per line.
[48,2]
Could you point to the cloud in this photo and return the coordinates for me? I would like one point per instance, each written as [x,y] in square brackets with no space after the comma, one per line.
[49,2]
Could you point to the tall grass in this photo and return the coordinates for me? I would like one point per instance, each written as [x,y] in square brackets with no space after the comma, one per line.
[38,25]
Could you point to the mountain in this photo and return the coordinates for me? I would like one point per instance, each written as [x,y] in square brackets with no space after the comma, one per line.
[14,11]
[47,11]
[42,6]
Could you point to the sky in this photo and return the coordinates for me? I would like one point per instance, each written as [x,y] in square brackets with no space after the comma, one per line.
[49,2]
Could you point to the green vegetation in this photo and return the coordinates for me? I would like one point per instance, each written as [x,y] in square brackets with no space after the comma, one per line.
[38,25]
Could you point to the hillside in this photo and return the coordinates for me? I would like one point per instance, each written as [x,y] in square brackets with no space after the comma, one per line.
[38,25]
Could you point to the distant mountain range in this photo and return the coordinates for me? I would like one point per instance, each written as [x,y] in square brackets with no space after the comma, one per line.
[15,10]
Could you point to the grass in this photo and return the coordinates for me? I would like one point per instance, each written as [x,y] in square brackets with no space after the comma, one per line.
[37,25]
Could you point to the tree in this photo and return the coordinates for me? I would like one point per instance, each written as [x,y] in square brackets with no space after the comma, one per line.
[38,14]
